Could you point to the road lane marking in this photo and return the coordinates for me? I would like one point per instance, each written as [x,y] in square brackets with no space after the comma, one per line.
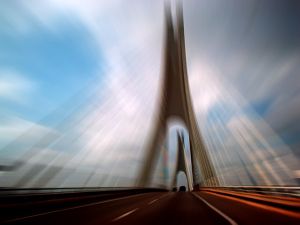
[149,203]
[125,214]
[231,221]
[161,197]
[164,195]
[71,208]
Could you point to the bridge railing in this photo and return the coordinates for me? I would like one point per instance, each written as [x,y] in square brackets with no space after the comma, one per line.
[267,190]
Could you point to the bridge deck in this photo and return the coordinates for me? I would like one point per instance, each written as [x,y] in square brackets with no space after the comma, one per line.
[201,207]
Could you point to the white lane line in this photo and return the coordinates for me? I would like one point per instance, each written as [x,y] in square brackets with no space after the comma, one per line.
[231,221]
[66,209]
[149,203]
[165,195]
[125,214]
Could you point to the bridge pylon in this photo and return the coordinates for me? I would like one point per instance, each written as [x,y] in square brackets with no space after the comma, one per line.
[175,101]
[182,163]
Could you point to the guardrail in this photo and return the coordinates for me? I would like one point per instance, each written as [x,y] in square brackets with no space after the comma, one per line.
[38,191]
[16,196]
[268,190]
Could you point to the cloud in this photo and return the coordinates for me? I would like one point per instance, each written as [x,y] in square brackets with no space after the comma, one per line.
[17,135]
[253,51]
[205,87]
[15,86]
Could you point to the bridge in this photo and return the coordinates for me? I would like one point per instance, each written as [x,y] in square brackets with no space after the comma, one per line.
[203,186]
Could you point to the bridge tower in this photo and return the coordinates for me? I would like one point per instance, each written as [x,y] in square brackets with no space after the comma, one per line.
[181,162]
[175,101]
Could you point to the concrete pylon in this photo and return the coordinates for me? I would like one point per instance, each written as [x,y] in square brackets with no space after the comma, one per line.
[175,101]
[181,163]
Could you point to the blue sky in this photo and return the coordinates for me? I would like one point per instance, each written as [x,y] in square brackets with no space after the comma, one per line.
[56,63]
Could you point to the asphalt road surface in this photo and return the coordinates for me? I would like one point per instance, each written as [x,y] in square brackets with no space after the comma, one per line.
[164,208]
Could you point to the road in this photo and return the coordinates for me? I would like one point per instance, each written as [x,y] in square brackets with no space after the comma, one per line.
[164,208]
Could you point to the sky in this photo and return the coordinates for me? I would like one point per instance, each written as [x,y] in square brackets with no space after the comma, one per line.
[82,78]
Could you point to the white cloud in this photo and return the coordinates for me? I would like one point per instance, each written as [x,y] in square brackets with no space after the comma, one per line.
[15,86]
[206,90]
[17,135]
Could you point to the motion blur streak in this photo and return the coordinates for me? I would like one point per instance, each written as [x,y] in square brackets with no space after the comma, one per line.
[104,99]
[265,207]
[100,127]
